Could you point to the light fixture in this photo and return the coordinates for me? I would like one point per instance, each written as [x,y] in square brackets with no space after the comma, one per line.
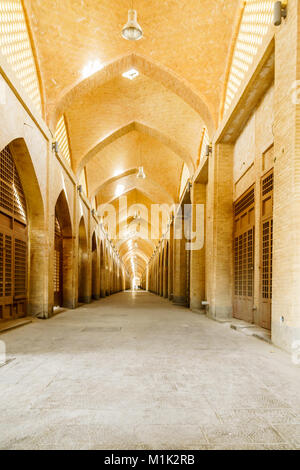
[132,30]
[141,173]
[55,147]
[131,74]
[279,12]
[208,150]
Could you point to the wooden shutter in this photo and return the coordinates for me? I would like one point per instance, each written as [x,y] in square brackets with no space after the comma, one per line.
[58,260]
[13,240]
[244,257]
[267,185]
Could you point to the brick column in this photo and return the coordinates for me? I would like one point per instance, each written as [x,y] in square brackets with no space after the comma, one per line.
[286,211]
[197,272]
[179,275]
[219,232]
[170,262]
[165,270]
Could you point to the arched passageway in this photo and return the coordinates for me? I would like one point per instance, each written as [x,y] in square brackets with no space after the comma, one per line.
[63,254]
[13,240]
[21,204]
[102,271]
[83,275]
[95,269]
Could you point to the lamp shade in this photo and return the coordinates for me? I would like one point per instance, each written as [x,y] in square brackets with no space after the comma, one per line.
[132,30]
[141,173]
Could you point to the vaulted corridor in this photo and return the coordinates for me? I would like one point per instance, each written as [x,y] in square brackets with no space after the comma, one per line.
[133,371]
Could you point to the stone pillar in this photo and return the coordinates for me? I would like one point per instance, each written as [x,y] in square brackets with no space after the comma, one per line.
[220,232]
[161,269]
[96,273]
[69,300]
[107,273]
[179,275]
[102,272]
[170,262]
[286,210]
[165,270]
[157,274]
[197,268]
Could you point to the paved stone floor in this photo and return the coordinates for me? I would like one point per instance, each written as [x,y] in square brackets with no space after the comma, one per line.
[134,372]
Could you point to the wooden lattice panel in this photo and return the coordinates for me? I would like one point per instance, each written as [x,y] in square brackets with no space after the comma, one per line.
[1,265]
[267,186]
[244,203]
[255,23]
[244,256]
[61,136]
[56,278]
[20,268]
[13,240]
[12,198]
[16,47]
[8,266]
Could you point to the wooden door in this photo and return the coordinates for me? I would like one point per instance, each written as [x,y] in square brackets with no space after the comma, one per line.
[58,261]
[13,241]
[244,257]
[188,276]
[266,250]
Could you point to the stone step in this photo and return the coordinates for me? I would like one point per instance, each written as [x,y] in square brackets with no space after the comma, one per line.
[12,324]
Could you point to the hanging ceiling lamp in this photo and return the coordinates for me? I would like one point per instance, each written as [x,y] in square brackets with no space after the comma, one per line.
[132,30]
[141,173]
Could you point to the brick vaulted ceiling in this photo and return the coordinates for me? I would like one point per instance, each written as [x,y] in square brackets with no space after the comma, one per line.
[156,120]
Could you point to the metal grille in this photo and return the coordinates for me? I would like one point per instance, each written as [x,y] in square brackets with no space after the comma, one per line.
[1,265]
[243,264]
[56,277]
[267,235]
[244,257]
[20,268]
[8,266]
[244,203]
[57,228]
[267,184]
[12,198]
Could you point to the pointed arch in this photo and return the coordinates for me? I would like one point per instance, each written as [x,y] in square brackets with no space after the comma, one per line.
[63,254]
[37,235]
[147,67]
[143,129]
[83,271]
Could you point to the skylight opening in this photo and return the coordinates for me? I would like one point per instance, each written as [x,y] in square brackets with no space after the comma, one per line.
[131,74]
[15,46]
[255,24]
[61,137]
